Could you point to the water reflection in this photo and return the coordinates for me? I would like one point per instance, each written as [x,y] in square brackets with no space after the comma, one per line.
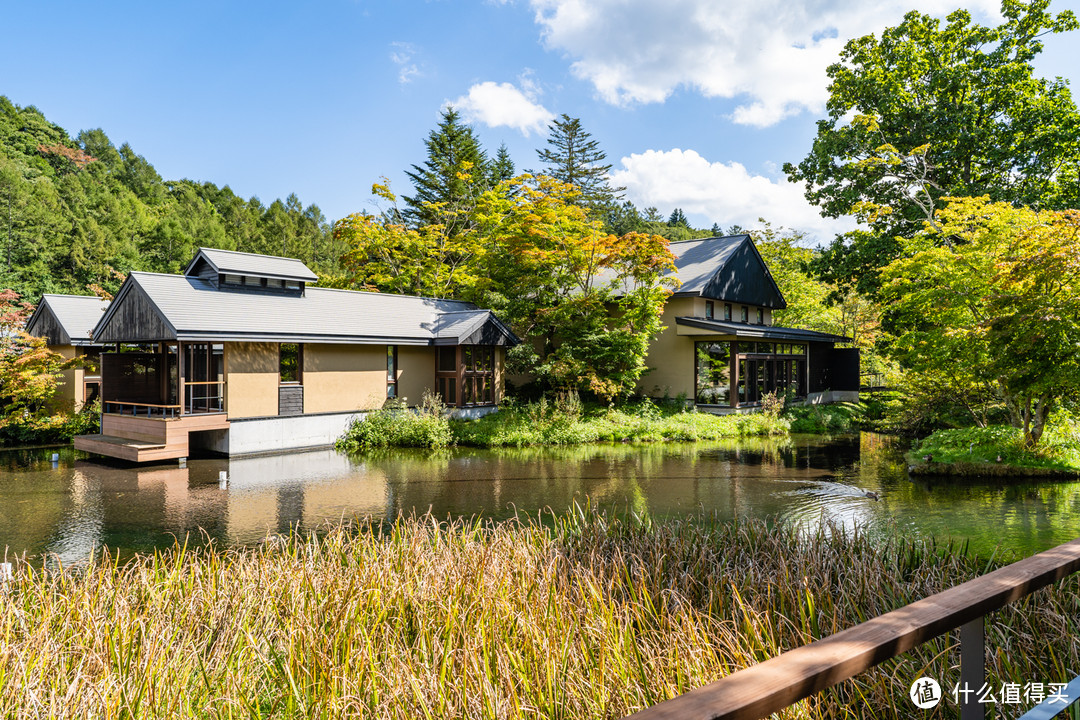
[64,513]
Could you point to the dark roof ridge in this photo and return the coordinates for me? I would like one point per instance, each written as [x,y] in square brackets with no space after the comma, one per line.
[241,252]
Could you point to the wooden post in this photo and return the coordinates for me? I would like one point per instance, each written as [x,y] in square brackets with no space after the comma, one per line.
[972,669]
[733,393]
[180,368]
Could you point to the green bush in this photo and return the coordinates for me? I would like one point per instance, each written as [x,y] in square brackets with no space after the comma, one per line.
[395,425]
[825,419]
[1058,450]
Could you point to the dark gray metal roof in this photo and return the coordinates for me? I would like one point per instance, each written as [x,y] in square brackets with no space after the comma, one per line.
[76,316]
[763,332]
[480,327]
[194,309]
[239,263]
[723,268]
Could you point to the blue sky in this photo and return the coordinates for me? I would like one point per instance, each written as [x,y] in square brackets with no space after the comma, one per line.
[696,102]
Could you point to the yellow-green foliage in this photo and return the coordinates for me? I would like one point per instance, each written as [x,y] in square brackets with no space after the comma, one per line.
[589,617]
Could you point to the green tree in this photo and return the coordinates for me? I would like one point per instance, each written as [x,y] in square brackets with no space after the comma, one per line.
[928,111]
[575,158]
[990,295]
[591,301]
[450,177]
[502,168]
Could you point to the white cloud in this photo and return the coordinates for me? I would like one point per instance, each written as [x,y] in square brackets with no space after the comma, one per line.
[402,54]
[504,105]
[724,193]
[771,54]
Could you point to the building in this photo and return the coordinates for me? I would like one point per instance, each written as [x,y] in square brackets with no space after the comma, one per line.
[239,355]
[66,322]
[720,348]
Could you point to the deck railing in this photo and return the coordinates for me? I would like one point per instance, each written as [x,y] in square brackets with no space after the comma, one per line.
[203,396]
[777,683]
[120,407]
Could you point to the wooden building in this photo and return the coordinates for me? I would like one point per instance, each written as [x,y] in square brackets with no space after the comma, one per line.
[720,347]
[66,323]
[239,355]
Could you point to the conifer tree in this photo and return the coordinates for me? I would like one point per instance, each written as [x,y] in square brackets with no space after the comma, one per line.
[573,157]
[503,167]
[455,173]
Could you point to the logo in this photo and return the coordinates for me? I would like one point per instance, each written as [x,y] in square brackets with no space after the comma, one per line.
[925,693]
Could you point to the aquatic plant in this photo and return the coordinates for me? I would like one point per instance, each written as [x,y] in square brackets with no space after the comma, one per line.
[585,615]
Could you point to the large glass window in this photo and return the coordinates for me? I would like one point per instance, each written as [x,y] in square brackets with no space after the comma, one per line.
[713,385]
[290,362]
[767,367]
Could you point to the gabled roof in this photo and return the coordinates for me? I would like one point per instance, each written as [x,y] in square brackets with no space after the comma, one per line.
[67,319]
[764,332]
[153,307]
[252,265]
[725,268]
[472,327]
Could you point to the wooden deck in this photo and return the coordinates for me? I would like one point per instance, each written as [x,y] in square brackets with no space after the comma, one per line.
[141,439]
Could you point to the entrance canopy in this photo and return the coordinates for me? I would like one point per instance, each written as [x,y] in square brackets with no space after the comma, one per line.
[701,326]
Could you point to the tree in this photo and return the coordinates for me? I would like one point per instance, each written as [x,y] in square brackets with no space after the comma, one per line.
[450,178]
[591,301]
[29,371]
[502,168]
[991,295]
[925,112]
[382,253]
[574,158]
[678,219]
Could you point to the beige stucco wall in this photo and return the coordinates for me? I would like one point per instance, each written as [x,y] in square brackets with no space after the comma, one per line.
[671,358]
[251,379]
[416,372]
[340,378]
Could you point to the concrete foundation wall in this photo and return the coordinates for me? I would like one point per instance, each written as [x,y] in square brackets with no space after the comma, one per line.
[275,434]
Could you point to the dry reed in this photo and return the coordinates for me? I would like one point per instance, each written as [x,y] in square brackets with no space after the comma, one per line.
[584,616]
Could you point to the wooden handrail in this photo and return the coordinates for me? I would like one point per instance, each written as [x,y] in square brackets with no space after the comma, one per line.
[776,683]
[204,382]
[135,404]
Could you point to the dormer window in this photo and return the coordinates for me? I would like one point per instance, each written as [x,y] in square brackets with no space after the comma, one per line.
[231,279]
[745,315]
[708,310]
[252,281]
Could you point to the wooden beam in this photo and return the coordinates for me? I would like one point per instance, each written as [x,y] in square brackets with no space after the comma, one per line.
[773,685]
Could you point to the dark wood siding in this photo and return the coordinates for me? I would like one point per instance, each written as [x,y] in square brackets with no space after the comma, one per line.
[819,355]
[833,368]
[135,319]
[745,279]
[290,400]
[47,326]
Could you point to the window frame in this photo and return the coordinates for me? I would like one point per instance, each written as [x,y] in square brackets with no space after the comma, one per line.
[392,372]
[299,364]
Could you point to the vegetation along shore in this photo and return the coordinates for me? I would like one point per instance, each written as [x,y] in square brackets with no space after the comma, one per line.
[585,615]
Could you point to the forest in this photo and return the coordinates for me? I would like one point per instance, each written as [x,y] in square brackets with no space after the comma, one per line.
[962,165]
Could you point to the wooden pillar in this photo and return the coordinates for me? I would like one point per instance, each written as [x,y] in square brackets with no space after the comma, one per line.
[180,368]
[733,358]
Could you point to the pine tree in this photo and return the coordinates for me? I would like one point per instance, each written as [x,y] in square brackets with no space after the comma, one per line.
[503,167]
[678,219]
[453,152]
[573,157]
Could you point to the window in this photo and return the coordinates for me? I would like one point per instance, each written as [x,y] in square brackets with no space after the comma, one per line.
[391,371]
[252,281]
[745,314]
[232,279]
[290,362]
[708,310]
[760,316]
[292,284]
[275,283]
[713,362]
[727,311]
[478,375]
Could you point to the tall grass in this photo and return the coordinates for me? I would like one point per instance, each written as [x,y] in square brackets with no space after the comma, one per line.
[594,617]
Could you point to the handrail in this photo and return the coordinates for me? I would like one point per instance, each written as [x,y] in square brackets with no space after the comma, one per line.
[135,404]
[781,681]
[204,382]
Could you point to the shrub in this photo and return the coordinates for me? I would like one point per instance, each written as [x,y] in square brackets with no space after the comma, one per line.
[396,425]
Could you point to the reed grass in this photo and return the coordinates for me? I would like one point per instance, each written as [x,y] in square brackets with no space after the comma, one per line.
[587,615]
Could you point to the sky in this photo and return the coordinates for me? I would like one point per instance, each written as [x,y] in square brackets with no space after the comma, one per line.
[697,103]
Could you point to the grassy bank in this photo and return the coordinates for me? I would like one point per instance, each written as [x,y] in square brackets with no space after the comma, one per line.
[999,450]
[561,422]
[593,618]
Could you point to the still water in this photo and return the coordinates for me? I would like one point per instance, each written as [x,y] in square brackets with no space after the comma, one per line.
[61,513]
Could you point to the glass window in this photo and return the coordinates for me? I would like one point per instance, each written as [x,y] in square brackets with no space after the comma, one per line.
[727,311]
[708,310]
[745,314]
[248,280]
[713,373]
[232,279]
[275,282]
[292,284]
[289,362]
[391,371]
[760,316]
[447,359]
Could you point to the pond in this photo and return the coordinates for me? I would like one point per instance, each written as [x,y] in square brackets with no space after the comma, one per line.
[62,512]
